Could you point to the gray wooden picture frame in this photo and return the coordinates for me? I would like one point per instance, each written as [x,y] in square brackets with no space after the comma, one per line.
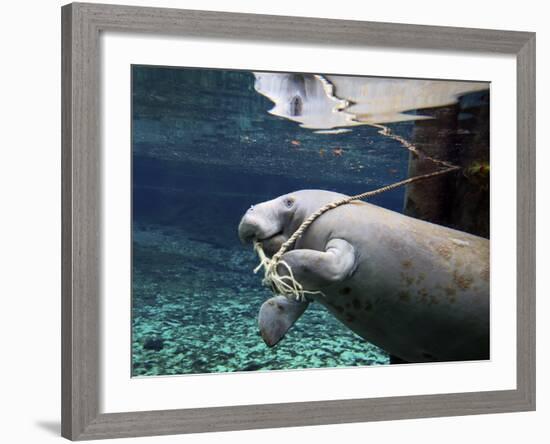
[81,171]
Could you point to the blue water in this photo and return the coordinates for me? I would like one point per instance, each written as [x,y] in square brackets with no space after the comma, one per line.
[204,149]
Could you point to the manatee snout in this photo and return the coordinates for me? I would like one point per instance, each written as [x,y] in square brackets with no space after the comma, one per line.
[255,227]
[262,223]
[248,229]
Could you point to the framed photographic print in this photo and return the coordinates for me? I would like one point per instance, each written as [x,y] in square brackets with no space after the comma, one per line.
[278,221]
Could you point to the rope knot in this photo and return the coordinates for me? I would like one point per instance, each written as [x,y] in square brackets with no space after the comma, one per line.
[285,285]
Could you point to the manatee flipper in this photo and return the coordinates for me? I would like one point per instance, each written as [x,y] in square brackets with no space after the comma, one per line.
[277,315]
[317,269]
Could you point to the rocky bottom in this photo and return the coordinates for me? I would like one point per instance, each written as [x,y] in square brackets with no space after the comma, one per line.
[195,303]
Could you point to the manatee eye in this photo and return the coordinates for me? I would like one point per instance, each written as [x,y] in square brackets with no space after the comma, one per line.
[289,201]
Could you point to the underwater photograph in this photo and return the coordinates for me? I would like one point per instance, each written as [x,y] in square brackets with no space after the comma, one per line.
[285,221]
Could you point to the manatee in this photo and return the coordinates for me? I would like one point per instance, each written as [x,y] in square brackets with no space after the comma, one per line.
[418,290]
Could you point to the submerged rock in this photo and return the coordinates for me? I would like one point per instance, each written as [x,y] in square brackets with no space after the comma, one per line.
[155,344]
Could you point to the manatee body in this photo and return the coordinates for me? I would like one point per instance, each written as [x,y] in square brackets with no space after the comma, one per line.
[419,291]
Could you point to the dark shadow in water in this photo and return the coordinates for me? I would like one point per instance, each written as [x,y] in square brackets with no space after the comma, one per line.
[458,134]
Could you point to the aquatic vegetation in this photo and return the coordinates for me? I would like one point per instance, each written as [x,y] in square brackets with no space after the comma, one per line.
[478,173]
